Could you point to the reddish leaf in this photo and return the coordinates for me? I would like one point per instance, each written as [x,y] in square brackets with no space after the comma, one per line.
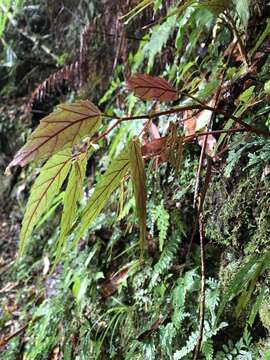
[61,129]
[190,124]
[148,87]
[210,144]
[153,131]
[154,147]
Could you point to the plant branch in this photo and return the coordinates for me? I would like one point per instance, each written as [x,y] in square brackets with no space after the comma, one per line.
[186,138]
[213,132]
[102,135]
[202,291]
[192,107]
[199,200]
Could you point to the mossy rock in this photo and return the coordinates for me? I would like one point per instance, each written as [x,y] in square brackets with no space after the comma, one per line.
[237,213]
[265,315]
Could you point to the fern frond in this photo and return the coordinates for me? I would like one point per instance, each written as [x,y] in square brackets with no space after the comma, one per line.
[161,217]
[190,345]
[166,257]
[208,349]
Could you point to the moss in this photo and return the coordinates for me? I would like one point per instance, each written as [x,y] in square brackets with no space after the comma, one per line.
[264,344]
[265,315]
[238,214]
[229,266]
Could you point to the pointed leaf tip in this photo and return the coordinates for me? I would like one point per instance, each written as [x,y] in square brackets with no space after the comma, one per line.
[7,171]
[61,129]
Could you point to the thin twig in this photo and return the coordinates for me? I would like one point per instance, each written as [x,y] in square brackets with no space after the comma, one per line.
[200,214]
[189,138]
[5,341]
[200,219]
[192,107]
[203,150]
[231,24]
[116,35]
[102,135]
[202,291]
[214,132]
[186,139]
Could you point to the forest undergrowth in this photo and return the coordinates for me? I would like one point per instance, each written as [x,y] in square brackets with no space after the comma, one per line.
[135,146]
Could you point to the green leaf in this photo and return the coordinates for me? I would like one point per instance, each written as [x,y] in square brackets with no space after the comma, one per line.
[4,14]
[167,334]
[79,288]
[247,292]
[159,37]
[249,272]
[207,90]
[184,285]
[136,10]
[45,188]
[57,201]
[246,96]
[267,87]
[236,284]
[208,349]
[242,8]
[138,178]
[61,129]
[256,307]
[261,266]
[108,183]
[161,217]
[262,37]
[76,287]
[73,194]
[168,254]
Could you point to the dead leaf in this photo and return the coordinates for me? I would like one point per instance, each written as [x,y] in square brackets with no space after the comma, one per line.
[46,266]
[266,171]
[210,144]
[153,131]
[56,353]
[154,147]
[109,286]
[9,286]
[198,123]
